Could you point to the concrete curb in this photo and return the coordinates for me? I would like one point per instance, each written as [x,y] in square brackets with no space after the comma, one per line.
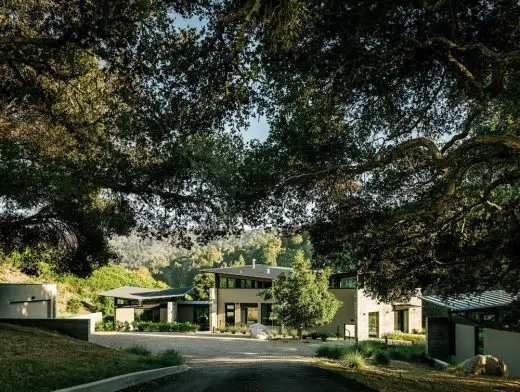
[126,380]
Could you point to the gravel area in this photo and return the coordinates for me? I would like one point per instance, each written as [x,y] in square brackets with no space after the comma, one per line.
[205,348]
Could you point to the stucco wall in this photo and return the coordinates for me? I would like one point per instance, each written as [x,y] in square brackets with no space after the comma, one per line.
[93,317]
[464,342]
[124,314]
[505,346]
[28,301]
[237,296]
[366,305]
[346,314]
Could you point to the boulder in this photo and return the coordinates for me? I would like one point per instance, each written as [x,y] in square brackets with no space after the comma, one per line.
[484,364]
[259,331]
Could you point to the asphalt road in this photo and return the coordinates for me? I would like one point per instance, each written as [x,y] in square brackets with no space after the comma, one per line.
[269,377]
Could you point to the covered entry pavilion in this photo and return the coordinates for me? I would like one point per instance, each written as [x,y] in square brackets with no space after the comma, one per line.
[157,305]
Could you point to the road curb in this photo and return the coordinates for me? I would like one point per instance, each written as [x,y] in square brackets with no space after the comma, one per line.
[126,380]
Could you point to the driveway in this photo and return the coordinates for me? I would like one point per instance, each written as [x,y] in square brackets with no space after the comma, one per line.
[268,377]
[236,363]
[200,349]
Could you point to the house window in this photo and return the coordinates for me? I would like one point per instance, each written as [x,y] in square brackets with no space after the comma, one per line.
[231,283]
[230,314]
[373,324]
[152,314]
[223,283]
[344,282]
[249,284]
[122,302]
[266,311]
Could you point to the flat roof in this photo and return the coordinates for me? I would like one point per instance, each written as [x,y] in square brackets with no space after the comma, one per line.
[142,293]
[487,299]
[258,271]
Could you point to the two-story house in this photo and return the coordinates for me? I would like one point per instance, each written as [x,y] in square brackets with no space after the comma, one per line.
[236,300]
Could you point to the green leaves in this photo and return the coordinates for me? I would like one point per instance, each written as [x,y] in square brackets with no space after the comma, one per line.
[301,298]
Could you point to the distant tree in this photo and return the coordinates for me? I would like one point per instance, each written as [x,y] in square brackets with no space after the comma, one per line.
[240,261]
[203,282]
[302,299]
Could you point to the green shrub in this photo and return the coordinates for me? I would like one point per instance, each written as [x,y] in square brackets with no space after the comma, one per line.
[354,359]
[369,347]
[149,326]
[244,329]
[305,334]
[398,335]
[331,352]
[284,332]
[382,358]
[274,332]
[314,335]
[73,305]
[222,329]
[293,333]
[166,358]
[105,326]
[233,329]
[324,337]
[138,350]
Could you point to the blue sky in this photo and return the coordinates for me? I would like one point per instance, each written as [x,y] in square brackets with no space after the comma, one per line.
[258,127]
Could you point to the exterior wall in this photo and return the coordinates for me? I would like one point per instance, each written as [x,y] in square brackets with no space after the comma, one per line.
[464,342]
[366,305]
[237,296]
[505,346]
[213,309]
[124,314]
[28,301]
[93,317]
[346,314]
[438,337]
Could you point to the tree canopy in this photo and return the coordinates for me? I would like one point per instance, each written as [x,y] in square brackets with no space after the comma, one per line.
[394,135]
[394,130]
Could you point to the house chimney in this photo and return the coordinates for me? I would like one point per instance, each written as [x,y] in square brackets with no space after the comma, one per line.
[268,270]
[254,263]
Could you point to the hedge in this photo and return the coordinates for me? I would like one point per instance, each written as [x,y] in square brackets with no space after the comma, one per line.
[147,326]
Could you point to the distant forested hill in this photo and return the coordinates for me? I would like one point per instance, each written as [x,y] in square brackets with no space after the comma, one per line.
[178,266]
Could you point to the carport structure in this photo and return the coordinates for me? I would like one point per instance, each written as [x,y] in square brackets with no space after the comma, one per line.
[157,305]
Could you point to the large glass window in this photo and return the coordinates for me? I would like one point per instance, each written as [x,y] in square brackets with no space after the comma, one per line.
[344,282]
[223,283]
[265,314]
[230,314]
[231,283]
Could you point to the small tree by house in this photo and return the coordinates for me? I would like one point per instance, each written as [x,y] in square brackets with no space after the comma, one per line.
[301,299]
[203,283]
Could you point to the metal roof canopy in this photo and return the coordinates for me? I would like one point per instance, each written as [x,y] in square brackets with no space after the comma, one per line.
[485,300]
[194,302]
[143,294]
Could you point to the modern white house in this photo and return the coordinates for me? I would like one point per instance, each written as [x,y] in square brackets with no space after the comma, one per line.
[236,300]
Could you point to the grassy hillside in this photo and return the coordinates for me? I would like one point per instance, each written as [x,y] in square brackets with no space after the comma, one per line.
[38,360]
[79,295]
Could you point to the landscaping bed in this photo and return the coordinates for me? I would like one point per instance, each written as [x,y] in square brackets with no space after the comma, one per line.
[38,360]
[402,368]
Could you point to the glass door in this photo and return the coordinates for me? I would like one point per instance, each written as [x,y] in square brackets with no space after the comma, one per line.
[373,324]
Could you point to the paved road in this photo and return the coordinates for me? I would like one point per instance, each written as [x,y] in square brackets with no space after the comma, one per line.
[269,377]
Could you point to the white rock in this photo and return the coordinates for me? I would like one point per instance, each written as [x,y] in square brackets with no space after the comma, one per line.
[484,364]
[259,331]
